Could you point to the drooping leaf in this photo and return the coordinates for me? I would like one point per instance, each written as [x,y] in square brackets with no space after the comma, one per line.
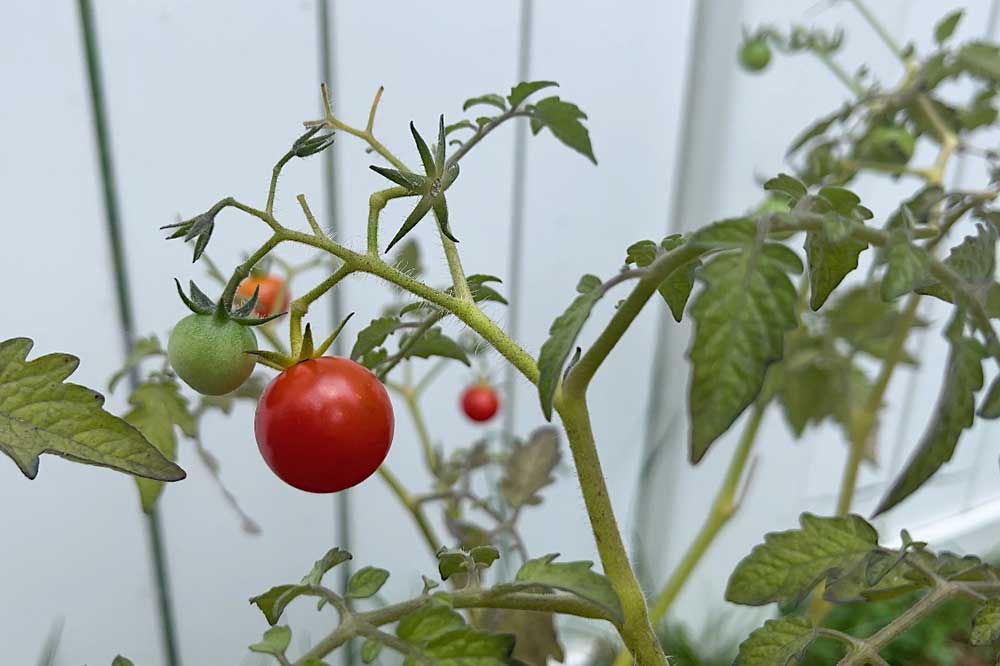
[946,26]
[740,321]
[158,409]
[574,577]
[273,602]
[981,60]
[374,336]
[563,120]
[523,90]
[451,562]
[787,566]
[908,266]
[562,339]
[778,643]
[830,260]
[954,412]
[536,639]
[789,186]
[986,624]
[481,291]
[274,642]
[366,582]
[676,289]
[490,99]
[919,208]
[436,343]
[484,555]
[865,322]
[974,260]
[529,468]
[41,414]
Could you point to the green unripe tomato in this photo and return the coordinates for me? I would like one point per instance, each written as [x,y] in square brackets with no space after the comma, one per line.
[209,353]
[755,55]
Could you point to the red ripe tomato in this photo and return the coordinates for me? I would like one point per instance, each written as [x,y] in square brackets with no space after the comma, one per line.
[480,402]
[273,296]
[324,425]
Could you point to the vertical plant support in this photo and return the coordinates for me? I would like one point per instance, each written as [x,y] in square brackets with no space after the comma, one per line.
[102,138]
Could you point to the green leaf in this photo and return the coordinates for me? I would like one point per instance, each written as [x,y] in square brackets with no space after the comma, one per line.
[574,577]
[273,602]
[986,624]
[563,120]
[778,643]
[481,291]
[946,26]
[436,343]
[562,338]
[830,260]
[523,90]
[470,647]
[981,60]
[428,623]
[865,322]
[157,409]
[535,636]
[787,185]
[676,289]
[40,414]
[142,349]
[407,259]
[954,412]
[374,336]
[366,582]
[990,408]
[451,562]
[529,468]
[484,555]
[740,321]
[370,650]
[908,266]
[122,661]
[819,128]
[275,641]
[788,565]
[974,260]
[490,99]
[333,557]
[919,208]
[418,213]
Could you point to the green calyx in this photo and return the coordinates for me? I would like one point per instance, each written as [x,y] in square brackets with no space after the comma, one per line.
[430,187]
[306,349]
[199,303]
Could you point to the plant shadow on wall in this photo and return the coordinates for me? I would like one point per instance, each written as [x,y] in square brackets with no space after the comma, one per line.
[770,329]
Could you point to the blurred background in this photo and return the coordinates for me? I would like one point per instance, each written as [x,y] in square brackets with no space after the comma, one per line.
[203,97]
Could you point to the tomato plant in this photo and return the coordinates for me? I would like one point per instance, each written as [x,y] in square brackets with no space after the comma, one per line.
[324,424]
[480,402]
[823,348]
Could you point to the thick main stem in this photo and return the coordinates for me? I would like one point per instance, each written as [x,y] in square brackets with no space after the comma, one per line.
[637,631]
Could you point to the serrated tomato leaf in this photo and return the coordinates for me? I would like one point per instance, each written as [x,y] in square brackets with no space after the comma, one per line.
[778,643]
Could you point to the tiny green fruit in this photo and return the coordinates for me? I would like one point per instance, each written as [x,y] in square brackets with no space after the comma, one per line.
[755,55]
[210,353]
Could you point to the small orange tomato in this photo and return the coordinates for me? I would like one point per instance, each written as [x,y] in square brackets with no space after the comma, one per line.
[273,296]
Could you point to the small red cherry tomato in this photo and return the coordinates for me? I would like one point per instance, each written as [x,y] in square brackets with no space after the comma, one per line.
[273,296]
[480,402]
[324,425]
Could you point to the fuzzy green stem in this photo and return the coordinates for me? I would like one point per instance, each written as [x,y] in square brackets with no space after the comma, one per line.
[273,187]
[376,204]
[839,72]
[243,270]
[300,306]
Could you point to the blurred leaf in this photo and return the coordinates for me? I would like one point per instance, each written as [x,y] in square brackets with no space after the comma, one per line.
[954,412]
[435,343]
[574,577]
[366,582]
[981,60]
[778,643]
[830,260]
[787,185]
[484,555]
[741,317]
[142,349]
[374,336]
[974,260]
[470,647]
[40,414]
[157,409]
[986,624]
[908,266]
[370,650]
[536,640]
[407,259]
[864,321]
[946,26]
[563,120]
[562,339]
[121,661]
[523,90]
[275,641]
[428,623]
[788,565]
[529,468]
